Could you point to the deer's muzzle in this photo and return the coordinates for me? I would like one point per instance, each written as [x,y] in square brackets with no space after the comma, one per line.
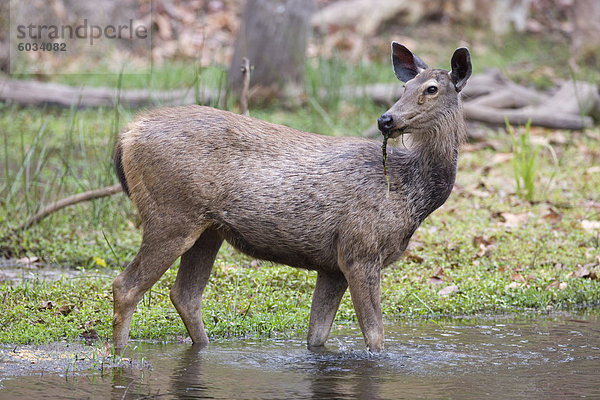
[389,126]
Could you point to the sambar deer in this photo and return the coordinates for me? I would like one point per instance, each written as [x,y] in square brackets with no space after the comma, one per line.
[199,175]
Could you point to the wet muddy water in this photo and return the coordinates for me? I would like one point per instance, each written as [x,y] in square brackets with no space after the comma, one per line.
[526,356]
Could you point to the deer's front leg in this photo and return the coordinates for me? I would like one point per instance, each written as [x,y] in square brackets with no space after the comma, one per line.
[363,280]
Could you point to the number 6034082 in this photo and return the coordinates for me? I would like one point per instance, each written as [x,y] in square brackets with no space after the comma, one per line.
[42,46]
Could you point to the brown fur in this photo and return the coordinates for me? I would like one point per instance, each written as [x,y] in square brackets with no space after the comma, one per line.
[199,176]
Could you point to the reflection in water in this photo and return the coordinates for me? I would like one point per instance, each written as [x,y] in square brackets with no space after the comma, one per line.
[517,357]
[121,383]
[187,380]
[297,373]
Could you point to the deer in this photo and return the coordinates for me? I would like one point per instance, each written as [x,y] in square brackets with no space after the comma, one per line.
[200,176]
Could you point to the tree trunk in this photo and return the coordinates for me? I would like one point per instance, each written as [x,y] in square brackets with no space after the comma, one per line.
[273,36]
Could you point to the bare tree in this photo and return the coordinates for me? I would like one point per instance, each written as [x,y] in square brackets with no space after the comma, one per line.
[273,36]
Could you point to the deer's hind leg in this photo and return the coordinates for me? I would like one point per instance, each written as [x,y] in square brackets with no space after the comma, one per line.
[161,245]
[193,274]
[329,290]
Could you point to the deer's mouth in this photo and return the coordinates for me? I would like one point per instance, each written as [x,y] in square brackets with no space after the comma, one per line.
[396,132]
[392,127]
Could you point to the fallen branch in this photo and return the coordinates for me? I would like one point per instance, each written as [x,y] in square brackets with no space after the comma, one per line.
[495,116]
[494,99]
[77,198]
[35,93]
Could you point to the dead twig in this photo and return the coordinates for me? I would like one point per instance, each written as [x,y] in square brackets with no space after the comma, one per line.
[67,201]
[245,85]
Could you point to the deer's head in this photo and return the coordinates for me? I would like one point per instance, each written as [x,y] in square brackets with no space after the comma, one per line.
[430,95]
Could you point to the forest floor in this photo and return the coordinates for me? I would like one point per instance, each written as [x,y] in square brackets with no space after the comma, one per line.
[489,249]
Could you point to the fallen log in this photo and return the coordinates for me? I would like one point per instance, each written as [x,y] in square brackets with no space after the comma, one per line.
[35,93]
[494,116]
[493,82]
[569,107]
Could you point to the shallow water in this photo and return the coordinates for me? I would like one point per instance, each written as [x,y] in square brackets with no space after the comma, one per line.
[527,356]
[13,270]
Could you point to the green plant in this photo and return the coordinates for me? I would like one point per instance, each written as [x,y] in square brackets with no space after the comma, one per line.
[524,162]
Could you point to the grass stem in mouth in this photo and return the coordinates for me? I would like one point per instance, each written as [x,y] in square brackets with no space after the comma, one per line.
[384,150]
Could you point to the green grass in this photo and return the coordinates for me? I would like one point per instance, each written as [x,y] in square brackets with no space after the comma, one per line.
[524,162]
[501,252]
[271,300]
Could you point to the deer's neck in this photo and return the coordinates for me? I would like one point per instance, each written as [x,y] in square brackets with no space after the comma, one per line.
[442,138]
[429,170]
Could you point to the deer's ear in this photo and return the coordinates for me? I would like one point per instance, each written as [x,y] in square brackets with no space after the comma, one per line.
[461,68]
[406,64]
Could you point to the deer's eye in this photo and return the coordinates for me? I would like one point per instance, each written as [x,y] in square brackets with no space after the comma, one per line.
[431,89]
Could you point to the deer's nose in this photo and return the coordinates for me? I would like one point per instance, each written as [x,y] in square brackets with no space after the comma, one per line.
[385,123]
